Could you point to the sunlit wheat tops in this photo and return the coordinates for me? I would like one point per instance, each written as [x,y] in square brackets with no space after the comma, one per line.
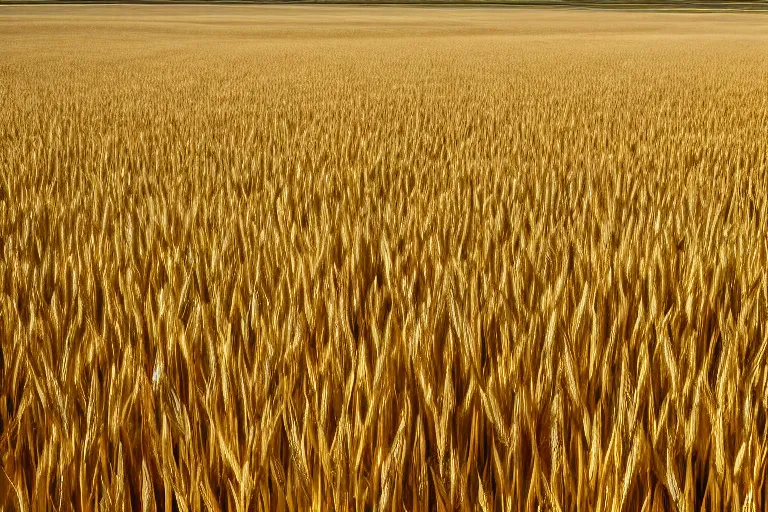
[266,259]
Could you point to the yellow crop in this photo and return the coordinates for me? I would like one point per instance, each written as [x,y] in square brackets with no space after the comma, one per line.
[274,258]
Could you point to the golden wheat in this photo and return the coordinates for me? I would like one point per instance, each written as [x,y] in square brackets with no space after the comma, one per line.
[382,259]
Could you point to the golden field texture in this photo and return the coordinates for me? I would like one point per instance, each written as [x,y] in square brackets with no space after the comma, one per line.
[293,258]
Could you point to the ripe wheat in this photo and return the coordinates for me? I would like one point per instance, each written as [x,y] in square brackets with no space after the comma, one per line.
[274,259]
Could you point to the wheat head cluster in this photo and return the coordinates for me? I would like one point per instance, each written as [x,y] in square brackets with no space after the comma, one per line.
[361,266]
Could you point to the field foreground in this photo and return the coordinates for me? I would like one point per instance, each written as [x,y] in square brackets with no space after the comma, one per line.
[258,258]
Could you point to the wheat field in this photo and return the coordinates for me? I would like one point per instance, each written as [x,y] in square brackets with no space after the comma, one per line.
[348,258]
